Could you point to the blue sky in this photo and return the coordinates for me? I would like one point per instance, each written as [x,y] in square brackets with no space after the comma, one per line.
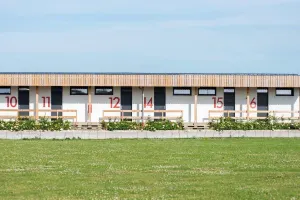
[216,36]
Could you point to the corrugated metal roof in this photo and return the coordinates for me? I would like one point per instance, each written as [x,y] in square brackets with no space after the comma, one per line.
[137,73]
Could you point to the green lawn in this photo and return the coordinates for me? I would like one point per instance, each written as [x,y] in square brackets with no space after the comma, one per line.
[150,169]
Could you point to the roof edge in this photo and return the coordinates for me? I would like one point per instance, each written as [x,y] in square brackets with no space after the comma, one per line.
[144,73]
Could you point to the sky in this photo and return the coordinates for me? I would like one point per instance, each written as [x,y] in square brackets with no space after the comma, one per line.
[157,36]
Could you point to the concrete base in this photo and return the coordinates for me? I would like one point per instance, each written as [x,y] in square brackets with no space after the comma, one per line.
[94,134]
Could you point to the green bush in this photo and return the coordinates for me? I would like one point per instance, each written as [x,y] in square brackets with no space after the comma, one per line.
[163,125]
[149,125]
[122,125]
[270,123]
[29,124]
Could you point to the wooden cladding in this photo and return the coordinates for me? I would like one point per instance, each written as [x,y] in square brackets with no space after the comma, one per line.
[150,80]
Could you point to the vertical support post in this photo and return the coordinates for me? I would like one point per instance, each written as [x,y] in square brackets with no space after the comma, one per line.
[89,104]
[36,103]
[195,105]
[248,103]
[143,103]
[76,116]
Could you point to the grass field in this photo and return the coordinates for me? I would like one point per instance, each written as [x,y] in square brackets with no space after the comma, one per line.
[150,169]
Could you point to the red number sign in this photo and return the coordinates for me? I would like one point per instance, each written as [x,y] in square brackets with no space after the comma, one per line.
[44,101]
[149,103]
[11,101]
[218,102]
[253,103]
[114,102]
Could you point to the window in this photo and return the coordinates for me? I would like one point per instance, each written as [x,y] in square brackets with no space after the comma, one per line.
[78,90]
[5,90]
[104,91]
[182,91]
[207,91]
[228,90]
[284,92]
[262,90]
[22,88]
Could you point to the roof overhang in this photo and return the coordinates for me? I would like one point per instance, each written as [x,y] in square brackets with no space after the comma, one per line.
[150,79]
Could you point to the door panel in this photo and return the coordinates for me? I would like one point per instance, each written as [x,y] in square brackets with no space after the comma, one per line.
[23,99]
[56,100]
[159,100]
[229,101]
[126,100]
[262,102]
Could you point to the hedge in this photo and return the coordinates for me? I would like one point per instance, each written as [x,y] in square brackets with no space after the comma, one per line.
[270,123]
[29,124]
[149,125]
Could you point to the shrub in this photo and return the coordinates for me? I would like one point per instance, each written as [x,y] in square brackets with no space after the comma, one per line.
[163,125]
[270,123]
[29,124]
[122,125]
[149,125]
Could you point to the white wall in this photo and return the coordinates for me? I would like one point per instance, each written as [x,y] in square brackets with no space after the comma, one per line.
[75,102]
[241,101]
[32,93]
[137,101]
[185,103]
[103,102]
[46,93]
[3,103]
[177,102]
[284,103]
[12,105]
[252,98]
[206,103]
